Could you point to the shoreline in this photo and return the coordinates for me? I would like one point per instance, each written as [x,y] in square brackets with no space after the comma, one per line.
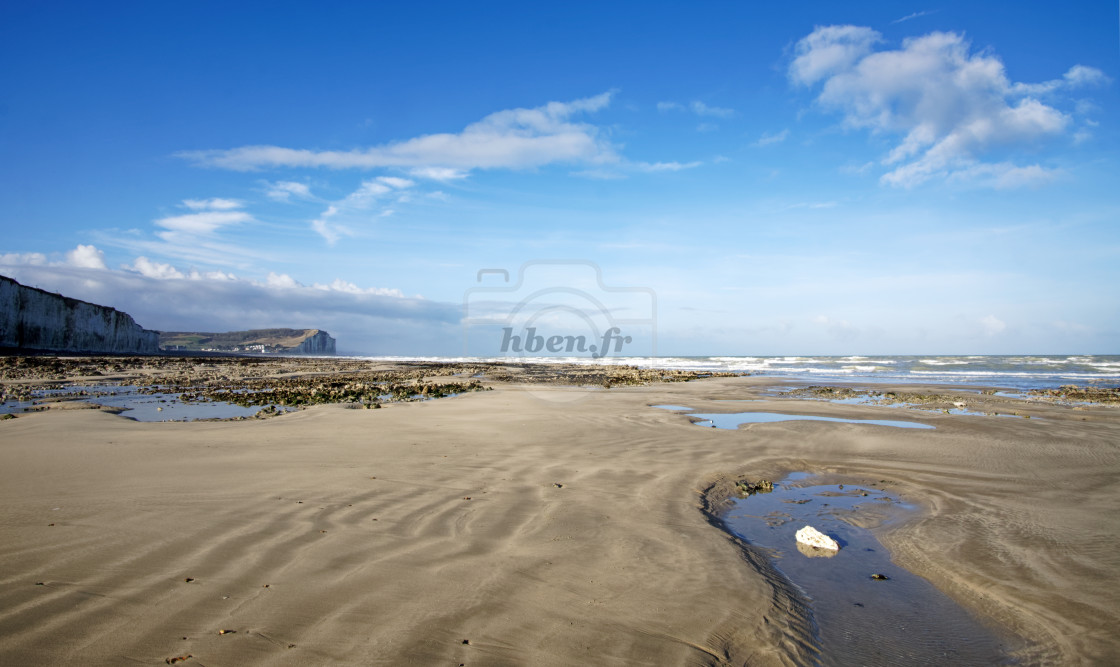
[588,528]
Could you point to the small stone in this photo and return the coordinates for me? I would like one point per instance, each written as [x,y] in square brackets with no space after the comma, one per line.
[880,577]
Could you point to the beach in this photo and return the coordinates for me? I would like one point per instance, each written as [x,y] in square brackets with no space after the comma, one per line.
[532,523]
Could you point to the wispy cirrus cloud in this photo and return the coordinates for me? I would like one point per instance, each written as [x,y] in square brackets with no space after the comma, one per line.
[913,16]
[768,138]
[210,215]
[697,107]
[509,139]
[374,194]
[951,106]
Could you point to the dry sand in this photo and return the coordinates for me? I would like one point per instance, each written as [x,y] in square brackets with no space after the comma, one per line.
[522,526]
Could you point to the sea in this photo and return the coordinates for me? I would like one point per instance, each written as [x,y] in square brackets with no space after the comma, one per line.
[1020,372]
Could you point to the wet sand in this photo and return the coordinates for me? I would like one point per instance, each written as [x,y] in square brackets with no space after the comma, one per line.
[528,525]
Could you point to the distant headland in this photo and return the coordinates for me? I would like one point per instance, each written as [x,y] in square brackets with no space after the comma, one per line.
[259,341]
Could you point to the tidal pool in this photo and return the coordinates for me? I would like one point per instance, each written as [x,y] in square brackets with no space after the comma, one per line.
[899,620]
[141,406]
[734,419]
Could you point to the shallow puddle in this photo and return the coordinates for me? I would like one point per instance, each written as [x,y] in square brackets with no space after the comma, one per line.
[138,406]
[899,620]
[734,419]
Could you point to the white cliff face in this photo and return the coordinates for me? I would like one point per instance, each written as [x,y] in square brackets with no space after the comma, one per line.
[33,319]
[318,343]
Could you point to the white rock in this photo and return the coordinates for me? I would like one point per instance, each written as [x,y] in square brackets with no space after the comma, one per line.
[958,404]
[814,538]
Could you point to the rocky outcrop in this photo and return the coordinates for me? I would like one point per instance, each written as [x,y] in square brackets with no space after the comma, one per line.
[35,320]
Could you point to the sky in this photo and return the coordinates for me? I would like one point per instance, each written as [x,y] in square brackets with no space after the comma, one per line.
[704,178]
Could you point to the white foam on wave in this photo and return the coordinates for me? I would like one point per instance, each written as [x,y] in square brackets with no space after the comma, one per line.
[946,362]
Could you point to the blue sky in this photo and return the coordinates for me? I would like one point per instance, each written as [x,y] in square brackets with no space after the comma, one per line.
[850,178]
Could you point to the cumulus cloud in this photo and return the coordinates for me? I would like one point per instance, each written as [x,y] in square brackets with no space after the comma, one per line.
[86,257]
[150,269]
[23,258]
[949,106]
[831,50]
[512,139]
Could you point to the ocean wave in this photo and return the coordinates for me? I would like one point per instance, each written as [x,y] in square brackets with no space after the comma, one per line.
[1013,371]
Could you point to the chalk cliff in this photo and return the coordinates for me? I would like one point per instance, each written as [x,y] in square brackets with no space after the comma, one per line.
[36,320]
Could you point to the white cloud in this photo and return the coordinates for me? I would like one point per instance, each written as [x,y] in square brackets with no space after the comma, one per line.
[24,258]
[438,173]
[768,138]
[399,183]
[665,166]
[702,109]
[215,204]
[157,270]
[911,16]
[992,325]
[210,275]
[829,50]
[331,223]
[697,107]
[340,285]
[1080,75]
[512,139]
[367,192]
[324,228]
[86,257]
[205,222]
[281,280]
[285,190]
[1005,176]
[950,106]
